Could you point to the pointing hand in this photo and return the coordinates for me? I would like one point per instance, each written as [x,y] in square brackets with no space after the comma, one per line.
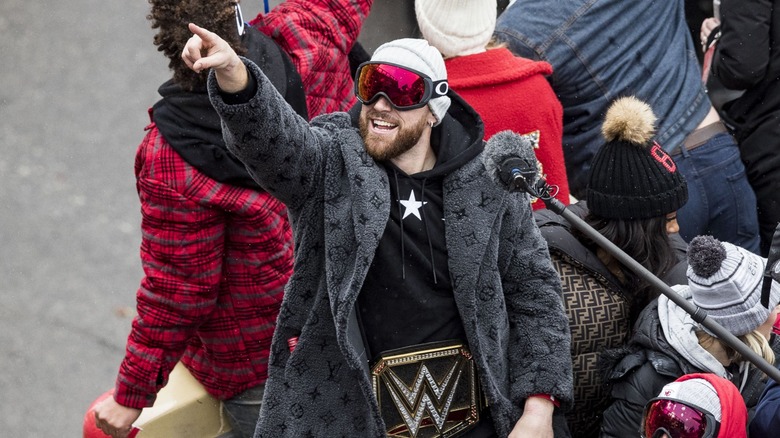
[205,50]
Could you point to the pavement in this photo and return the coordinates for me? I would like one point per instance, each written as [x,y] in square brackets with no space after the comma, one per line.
[76,80]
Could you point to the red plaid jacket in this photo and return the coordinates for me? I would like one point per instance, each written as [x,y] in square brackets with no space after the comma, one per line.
[216,258]
[318,35]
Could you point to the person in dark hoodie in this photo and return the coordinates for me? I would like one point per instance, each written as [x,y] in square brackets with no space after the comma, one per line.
[419,282]
[216,248]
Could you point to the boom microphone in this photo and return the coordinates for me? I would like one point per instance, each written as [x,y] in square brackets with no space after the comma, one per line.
[509,158]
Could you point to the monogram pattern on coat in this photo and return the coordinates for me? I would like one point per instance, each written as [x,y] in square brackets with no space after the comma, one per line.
[334,248]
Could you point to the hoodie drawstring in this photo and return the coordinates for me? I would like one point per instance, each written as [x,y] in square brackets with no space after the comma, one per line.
[427,234]
[400,215]
[423,217]
[744,368]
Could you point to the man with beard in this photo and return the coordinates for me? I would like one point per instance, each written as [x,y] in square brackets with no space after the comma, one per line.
[423,300]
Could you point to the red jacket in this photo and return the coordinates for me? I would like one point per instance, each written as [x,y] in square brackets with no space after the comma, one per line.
[318,35]
[512,93]
[216,258]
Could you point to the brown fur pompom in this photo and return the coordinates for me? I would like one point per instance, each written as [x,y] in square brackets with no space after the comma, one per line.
[630,120]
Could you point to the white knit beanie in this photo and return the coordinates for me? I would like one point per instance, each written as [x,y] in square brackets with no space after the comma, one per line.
[697,392]
[457,27]
[725,281]
[417,55]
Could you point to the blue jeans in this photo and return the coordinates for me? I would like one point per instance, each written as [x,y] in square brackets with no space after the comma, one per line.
[721,202]
[244,410]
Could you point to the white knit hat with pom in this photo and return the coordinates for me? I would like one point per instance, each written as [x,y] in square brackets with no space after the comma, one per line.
[725,281]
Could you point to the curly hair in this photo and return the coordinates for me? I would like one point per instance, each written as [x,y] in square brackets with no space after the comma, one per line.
[171,17]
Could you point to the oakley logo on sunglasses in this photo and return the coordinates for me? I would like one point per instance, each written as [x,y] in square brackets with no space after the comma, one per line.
[403,87]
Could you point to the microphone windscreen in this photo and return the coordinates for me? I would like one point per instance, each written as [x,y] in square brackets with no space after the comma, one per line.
[509,145]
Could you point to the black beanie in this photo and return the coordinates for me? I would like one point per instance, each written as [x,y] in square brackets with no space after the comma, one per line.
[631,177]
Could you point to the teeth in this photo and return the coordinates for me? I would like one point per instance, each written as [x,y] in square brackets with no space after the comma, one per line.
[383,124]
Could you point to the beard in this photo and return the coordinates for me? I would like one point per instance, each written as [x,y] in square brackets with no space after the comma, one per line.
[380,148]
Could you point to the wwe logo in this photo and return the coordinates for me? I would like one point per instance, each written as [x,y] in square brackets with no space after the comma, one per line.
[413,402]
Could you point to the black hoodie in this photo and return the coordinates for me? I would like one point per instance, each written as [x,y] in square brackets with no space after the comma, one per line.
[407,296]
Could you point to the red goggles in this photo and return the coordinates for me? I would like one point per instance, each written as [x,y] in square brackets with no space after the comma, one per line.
[405,88]
[677,420]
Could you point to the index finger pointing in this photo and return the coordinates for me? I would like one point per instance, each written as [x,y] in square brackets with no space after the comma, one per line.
[203,33]
[192,50]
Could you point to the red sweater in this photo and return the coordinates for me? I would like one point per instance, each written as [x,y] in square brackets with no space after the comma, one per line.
[216,258]
[512,93]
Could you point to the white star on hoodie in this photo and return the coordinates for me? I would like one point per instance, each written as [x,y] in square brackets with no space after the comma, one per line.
[412,206]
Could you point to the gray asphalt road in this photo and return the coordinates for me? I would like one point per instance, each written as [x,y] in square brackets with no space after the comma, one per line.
[75,82]
[76,79]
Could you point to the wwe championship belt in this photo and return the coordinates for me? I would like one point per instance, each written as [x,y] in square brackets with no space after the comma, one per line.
[428,390]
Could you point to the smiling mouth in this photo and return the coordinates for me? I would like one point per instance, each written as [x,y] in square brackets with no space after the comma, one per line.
[382,125]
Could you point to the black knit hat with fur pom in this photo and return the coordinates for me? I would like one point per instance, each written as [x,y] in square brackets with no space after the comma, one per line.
[631,176]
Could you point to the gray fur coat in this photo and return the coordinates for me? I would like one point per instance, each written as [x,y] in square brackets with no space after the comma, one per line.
[505,287]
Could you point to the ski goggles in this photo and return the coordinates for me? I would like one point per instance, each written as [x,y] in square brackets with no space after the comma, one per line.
[677,420]
[405,88]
